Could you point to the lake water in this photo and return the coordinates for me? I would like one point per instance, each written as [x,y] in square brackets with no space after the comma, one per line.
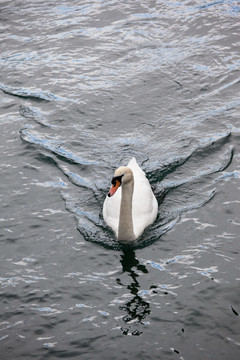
[85,86]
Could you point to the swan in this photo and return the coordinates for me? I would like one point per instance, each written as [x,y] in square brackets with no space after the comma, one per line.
[130,205]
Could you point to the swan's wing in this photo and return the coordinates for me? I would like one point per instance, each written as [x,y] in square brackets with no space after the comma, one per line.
[111,210]
[144,205]
[144,209]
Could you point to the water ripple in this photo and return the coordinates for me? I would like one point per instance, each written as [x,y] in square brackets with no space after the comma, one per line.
[88,85]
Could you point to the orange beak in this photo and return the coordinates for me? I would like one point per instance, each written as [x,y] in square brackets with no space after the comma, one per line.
[114,188]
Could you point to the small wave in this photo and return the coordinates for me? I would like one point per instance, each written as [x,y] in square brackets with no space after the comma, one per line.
[33,113]
[31,94]
[53,145]
[27,93]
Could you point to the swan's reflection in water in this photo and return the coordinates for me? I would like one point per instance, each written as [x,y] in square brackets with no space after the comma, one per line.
[136,309]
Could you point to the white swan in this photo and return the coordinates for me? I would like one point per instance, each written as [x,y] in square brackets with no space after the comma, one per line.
[133,207]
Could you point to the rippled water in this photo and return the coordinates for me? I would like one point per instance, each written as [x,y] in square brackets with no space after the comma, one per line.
[86,85]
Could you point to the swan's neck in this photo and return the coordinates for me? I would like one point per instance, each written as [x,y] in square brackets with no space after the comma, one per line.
[125,227]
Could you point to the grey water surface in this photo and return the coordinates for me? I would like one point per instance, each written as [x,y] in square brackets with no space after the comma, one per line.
[85,86]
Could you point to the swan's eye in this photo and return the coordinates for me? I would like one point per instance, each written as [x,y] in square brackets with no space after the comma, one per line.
[117,178]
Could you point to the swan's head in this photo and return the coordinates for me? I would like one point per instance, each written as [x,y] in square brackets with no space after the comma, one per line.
[122,175]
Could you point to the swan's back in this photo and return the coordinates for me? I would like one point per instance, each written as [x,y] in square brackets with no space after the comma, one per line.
[144,203]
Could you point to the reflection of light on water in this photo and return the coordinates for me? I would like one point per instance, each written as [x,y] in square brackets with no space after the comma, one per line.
[207,271]
[201,226]
[233,341]
[226,176]
[103,313]
[181,259]
[156,265]
[82,306]
[49,345]
[47,310]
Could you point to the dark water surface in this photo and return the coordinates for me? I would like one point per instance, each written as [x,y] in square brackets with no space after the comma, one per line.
[86,85]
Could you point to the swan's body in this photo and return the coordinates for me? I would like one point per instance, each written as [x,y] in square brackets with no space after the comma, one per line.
[130,205]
